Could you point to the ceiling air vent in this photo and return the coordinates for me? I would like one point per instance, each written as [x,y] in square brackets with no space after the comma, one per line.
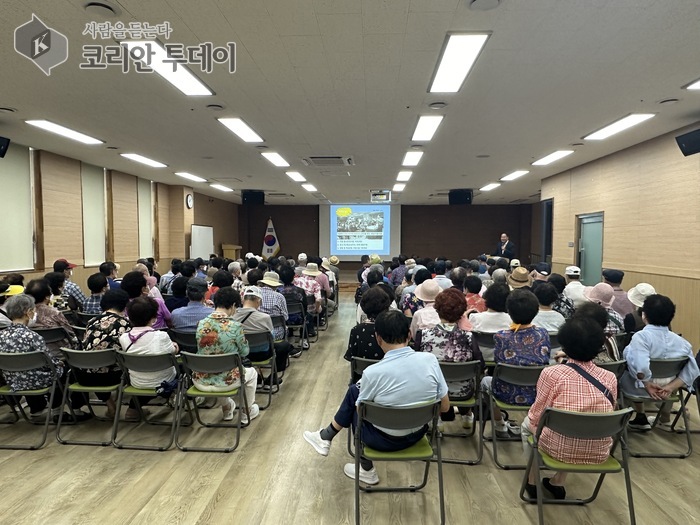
[328,161]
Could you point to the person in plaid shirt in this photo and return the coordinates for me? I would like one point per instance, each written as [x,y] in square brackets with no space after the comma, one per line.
[564,388]
[70,289]
[98,286]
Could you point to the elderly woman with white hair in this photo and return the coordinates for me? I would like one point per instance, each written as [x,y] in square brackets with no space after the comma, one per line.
[235,269]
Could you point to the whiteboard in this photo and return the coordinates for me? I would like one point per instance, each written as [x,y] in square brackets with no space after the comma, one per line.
[202,244]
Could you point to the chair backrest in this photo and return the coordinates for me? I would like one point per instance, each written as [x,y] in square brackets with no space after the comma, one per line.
[211,364]
[146,363]
[79,332]
[517,375]
[84,318]
[460,371]
[185,340]
[310,300]
[667,367]
[554,340]
[585,425]
[90,359]
[294,307]
[399,418]
[22,362]
[486,344]
[616,367]
[358,365]
[52,335]
[260,341]
[278,321]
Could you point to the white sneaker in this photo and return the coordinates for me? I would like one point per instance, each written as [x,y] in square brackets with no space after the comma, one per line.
[661,425]
[368,477]
[253,412]
[322,446]
[467,420]
[227,408]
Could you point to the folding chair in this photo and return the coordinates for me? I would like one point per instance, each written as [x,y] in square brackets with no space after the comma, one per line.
[466,371]
[186,341]
[83,318]
[80,334]
[666,368]
[580,425]
[52,335]
[278,322]
[486,345]
[146,363]
[211,364]
[400,418]
[263,342]
[618,368]
[310,302]
[696,386]
[515,375]
[554,346]
[357,366]
[297,308]
[324,308]
[22,363]
[81,360]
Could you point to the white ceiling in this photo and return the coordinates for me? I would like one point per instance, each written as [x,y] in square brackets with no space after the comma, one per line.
[331,77]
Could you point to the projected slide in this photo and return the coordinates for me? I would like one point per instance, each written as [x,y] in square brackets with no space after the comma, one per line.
[358,229]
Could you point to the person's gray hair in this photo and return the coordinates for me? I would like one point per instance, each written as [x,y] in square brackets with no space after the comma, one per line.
[17,306]
[378,267]
[499,275]
[234,267]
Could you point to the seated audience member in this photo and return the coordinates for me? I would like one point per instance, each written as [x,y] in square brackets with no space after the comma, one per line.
[48,317]
[219,280]
[602,294]
[151,282]
[325,267]
[201,268]
[362,341]
[574,289]
[219,333]
[410,304]
[187,318]
[235,269]
[134,284]
[334,262]
[407,279]
[403,378]
[633,322]
[7,291]
[622,304]
[110,271]
[520,278]
[524,345]
[251,264]
[178,297]
[374,278]
[173,273]
[72,291]
[563,304]
[302,260]
[546,317]
[398,274]
[310,285]
[495,317]
[215,264]
[475,303]
[565,388]
[103,332]
[457,277]
[440,278]
[14,279]
[273,302]
[656,341]
[143,339]
[609,351]
[56,281]
[154,268]
[255,322]
[541,273]
[451,344]
[98,285]
[294,294]
[426,317]
[364,261]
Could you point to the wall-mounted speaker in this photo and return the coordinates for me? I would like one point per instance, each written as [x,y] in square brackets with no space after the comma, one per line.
[253,197]
[689,142]
[4,144]
[460,197]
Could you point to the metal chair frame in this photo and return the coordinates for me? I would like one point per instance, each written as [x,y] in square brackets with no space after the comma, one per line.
[357,366]
[186,341]
[258,340]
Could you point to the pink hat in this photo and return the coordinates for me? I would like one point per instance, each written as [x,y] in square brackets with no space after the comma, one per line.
[601,293]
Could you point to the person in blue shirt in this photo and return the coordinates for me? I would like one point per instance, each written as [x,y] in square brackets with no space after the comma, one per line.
[403,378]
[187,317]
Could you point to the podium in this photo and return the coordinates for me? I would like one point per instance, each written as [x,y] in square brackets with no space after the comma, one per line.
[231,251]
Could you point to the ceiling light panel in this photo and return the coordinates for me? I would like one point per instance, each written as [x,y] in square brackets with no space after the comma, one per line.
[309,187]
[63,131]
[553,157]
[189,176]
[412,158]
[220,187]
[296,176]
[515,175]
[404,176]
[398,187]
[458,57]
[426,127]
[144,160]
[178,75]
[275,158]
[490,187]
[619,125]
[243,130]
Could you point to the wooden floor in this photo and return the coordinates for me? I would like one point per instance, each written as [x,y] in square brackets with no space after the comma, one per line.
[276,478]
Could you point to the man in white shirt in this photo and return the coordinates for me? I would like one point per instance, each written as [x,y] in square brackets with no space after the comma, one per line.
[574,288]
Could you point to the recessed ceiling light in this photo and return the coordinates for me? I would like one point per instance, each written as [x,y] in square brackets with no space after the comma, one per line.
[483,156]
[619,125]
[295,176]
[668,101]
[112,147]
[143,160]
[404,176]
[215,107]
[515,175]
[490,187]
[553,157]
[63,131]
[275,158]
[189,176]
[309,187]
[220,187]
[398,187]
[178,75]
[437,105]
[426,128]
[8,110]
[240,128]
[412,158]
[458,56]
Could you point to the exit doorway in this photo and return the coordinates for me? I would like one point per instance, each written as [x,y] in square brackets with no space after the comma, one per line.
[590,247]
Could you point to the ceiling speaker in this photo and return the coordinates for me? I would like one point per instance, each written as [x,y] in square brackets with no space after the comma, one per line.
[4,144]
[689,143]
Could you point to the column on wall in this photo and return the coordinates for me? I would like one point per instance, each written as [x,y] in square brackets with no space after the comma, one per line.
[178,222]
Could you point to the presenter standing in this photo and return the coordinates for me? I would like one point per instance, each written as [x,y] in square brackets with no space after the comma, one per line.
[505,248]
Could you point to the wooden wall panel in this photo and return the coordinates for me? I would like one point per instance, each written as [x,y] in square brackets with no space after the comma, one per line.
[221,215]
[62,208]
[125,213]
[164,248]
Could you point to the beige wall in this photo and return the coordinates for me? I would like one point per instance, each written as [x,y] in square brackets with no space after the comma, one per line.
[650,197]
[125,225]
[221,215]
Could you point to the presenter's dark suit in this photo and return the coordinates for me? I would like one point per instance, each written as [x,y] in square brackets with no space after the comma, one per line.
[508,252]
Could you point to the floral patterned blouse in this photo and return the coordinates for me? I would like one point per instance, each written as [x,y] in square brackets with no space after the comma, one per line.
[412,303]
[16,339]
[452,345]
[525,347]
[103,332]
[362,343]
[220,334]
[49,317]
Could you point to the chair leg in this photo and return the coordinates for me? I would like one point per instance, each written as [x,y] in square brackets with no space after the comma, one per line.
[358,451]
[440,482]
[628,483]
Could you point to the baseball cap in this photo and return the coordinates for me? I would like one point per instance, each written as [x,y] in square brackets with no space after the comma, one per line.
[572,270]
[253,290]
[61,265]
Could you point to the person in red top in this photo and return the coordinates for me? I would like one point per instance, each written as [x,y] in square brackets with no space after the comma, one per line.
[475,303]
[565,387]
